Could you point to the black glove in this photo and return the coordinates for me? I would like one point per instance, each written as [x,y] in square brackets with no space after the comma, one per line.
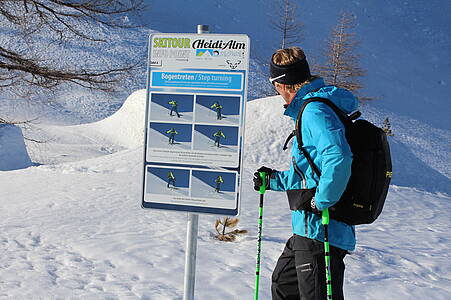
[258,182]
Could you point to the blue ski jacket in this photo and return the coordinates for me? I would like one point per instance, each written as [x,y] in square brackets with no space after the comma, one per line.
[323,135]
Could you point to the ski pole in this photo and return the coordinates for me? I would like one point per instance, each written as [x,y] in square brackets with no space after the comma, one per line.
[260,226]
[325,222]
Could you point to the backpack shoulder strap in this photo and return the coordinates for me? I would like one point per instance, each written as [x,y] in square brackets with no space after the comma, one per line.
[298,129]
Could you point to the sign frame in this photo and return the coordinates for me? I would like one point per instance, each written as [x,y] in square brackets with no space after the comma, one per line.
[207,77]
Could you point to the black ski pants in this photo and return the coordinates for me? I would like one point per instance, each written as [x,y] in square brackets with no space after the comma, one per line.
[300,273]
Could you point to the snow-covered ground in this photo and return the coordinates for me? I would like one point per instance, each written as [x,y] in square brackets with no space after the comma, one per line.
[72,226]
[75,230]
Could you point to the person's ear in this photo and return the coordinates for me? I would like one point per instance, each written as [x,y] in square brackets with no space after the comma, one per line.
[279,85]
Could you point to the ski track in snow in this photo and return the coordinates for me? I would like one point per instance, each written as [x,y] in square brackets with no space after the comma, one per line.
[75,230]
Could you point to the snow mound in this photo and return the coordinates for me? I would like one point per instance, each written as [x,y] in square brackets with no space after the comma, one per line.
[267,129]
[13,153]
[125,127]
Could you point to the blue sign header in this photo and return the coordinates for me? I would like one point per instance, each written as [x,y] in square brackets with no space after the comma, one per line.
[195,80]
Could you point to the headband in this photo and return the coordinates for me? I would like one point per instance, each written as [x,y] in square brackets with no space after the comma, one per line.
[297,72]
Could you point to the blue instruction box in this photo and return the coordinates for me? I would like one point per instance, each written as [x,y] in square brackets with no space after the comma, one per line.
[197,80]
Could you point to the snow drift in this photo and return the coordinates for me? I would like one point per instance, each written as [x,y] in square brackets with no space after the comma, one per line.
[265,119]
[13,152]
[124,128]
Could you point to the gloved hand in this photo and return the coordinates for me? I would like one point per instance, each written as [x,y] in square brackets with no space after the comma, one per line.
[258,182]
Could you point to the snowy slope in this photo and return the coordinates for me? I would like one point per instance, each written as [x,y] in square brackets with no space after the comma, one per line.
[404,45]
[75,230]
[124,129]
[421,154]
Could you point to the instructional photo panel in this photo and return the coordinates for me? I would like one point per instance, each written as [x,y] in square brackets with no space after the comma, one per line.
[215,138]
[167,181]
[170,136]
[214,184]
[171,107]
[217,110]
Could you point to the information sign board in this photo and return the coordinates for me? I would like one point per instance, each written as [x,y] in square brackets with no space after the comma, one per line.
[196,101]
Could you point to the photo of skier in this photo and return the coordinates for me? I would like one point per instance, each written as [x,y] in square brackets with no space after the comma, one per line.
[171,179]
[170,135]
[167,181]
[218,107]
[213,184]
[218,182]
[172,132]
[218,135]
[174,108]
[215,138]
[170,107]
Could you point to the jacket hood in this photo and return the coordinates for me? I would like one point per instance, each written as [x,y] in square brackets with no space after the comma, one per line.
[343,98]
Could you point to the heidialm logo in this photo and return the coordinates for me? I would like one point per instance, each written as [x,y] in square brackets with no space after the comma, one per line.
[207,52]
[171,42]
[202,45]
[218,44]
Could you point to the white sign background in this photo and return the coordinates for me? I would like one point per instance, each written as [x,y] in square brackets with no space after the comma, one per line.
[196,100]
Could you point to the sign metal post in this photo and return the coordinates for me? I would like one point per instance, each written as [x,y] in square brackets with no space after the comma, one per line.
[191,237]
[194,134]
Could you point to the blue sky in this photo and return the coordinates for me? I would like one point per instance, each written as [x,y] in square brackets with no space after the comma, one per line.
[230,132]
[230,105]
[184,130]
[209,178]
[185,102]
[181,175]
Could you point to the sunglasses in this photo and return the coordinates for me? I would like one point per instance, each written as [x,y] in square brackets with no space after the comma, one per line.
[271,80]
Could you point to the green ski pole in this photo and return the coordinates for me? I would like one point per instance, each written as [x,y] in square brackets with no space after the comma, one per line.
[260,226]
[325,222]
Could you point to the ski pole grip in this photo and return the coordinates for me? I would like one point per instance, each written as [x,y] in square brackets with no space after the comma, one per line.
[325,217]
[263,186]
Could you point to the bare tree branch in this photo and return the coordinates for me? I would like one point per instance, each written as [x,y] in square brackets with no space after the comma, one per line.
[342,66]
[67,20]
[285,21]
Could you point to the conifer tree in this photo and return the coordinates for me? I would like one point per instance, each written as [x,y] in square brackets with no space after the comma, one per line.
[287,24]
[342,65]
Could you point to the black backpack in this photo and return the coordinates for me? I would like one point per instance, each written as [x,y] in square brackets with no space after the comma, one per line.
[364,197]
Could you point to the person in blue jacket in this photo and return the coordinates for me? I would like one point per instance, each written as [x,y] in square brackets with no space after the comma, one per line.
[300,270]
